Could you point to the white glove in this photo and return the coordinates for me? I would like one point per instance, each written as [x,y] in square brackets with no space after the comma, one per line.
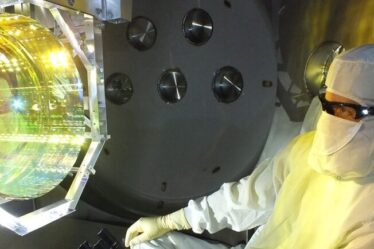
[153,227]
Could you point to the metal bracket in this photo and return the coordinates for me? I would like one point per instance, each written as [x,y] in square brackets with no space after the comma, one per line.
[115,11]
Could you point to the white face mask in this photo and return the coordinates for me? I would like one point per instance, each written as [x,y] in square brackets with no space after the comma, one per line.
[333,133]
[343,148]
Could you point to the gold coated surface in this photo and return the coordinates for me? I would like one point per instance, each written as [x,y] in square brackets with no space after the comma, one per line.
[41,109]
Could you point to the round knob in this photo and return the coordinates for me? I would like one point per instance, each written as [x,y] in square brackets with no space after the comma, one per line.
[198,26]
[118,88]
[172,86]
[141,33]
[227,84]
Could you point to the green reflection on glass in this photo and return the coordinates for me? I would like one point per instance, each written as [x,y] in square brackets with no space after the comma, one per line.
[41,109]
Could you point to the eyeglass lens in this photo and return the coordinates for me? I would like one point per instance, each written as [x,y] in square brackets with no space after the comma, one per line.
[337,109]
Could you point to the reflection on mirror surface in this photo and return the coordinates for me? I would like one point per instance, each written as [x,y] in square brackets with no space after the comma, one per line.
[41,109]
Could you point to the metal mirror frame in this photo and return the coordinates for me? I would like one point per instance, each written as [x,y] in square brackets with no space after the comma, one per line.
[96,122]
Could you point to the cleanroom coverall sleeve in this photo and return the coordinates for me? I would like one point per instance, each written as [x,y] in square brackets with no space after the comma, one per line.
[362,237]
[239,205]
[364,242]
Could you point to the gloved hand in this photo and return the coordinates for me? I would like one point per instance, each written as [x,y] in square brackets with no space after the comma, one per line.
[153,227]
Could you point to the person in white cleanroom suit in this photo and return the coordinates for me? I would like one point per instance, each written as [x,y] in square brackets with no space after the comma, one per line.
[317,193]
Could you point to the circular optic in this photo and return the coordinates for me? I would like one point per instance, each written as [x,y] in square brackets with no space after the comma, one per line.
[198,26]
[141,33]
[318,64]
[172,86]
[118,88]
[227,84]
[41,106]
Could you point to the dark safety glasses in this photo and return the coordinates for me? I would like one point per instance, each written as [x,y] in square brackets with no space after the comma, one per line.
[358,111]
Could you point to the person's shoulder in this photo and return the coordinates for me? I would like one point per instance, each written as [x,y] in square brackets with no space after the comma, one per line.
[305,137]
[302,143]
[295,152]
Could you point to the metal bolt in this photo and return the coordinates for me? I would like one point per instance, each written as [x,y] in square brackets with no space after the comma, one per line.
[71,2]
[100,25]
[227,3]
[216,169]
[164,186]
[267,83]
